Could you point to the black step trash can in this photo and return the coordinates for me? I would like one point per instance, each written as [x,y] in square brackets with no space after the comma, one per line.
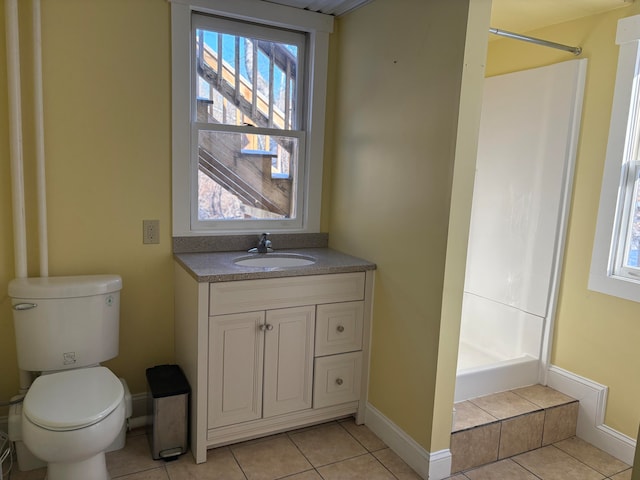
[168,433]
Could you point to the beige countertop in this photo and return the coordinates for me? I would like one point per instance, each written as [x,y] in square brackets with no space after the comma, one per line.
[220,266]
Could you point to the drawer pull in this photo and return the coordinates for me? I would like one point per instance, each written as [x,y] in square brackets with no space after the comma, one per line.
[266,326]
[340,328]
[339,381]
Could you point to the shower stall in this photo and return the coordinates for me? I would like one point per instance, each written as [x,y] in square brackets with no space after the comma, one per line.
[524,172]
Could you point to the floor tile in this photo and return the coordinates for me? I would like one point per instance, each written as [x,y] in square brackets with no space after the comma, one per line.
[521,434]
[560,423]
[134,457]
[38,474]
[504,469]
[504,405]
[362,433]
[626,475]
[459,476]
[550,463]
[592,456]
[308,475]
[542,396]
[364,467]
[158,473]
[396,465]
[469,415]
[220,465]
[327,444]
[474,447]
[270,459]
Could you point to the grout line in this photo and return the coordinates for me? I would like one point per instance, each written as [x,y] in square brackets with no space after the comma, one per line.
[370,452]
[244,474]
[523,467]
[583,462]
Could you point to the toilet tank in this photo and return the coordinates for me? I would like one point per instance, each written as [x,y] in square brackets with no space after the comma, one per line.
[65,322]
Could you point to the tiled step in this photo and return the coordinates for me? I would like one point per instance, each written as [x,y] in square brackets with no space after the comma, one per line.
[499,426]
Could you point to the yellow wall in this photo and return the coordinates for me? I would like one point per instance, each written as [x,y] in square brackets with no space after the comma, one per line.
[397,95]
[596,335]
[106,71]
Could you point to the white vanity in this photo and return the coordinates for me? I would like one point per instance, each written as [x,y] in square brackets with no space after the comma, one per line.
[271,349]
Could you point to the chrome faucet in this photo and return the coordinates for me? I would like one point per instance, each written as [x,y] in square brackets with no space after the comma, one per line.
[264,245]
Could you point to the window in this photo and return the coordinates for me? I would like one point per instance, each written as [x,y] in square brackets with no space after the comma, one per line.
[248,86]
[615,266]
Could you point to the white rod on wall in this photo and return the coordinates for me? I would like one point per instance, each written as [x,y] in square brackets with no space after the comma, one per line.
[39,131]
[15,138]
[545,43]
[16,152]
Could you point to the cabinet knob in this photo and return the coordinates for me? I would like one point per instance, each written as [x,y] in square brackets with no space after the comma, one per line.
[266,326]
[339,381]
[340,328]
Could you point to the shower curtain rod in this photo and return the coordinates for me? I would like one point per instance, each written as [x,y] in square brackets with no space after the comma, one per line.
[545,43]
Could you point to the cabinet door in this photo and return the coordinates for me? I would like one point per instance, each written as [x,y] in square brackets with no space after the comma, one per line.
[288,360]
[236,346]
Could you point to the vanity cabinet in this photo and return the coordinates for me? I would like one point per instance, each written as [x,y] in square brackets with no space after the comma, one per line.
[272,354]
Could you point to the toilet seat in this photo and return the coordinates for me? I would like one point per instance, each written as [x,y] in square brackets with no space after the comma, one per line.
[72,399]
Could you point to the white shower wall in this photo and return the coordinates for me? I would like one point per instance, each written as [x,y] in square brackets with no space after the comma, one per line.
[521,196]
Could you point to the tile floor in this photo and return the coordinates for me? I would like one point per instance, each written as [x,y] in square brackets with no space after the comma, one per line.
[337,450]
[344,451]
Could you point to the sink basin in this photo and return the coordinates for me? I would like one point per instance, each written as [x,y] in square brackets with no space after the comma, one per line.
[274,260]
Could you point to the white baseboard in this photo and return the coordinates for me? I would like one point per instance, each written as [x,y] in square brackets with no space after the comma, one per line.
[593,403]
[433,466]
[140,404]
[140,408]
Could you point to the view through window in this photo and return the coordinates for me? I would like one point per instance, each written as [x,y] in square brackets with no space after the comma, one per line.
[247,135]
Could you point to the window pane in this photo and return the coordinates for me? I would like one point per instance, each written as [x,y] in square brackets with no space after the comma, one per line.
[245,81]
[246,176]
[633,235]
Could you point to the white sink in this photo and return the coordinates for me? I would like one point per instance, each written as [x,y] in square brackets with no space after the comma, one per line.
[273,260]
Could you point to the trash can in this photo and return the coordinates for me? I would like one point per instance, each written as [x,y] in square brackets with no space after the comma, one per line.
[168,432]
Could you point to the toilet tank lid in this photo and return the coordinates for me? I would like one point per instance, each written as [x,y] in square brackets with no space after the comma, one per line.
[64,287]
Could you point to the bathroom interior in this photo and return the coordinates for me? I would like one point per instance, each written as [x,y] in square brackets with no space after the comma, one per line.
[396,193]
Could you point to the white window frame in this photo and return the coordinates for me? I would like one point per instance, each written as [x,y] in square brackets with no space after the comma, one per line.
[606,276]
[317,27]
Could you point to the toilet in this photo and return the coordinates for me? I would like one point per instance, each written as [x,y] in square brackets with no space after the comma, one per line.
[76,409]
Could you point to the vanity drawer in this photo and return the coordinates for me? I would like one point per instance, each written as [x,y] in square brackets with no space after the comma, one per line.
[272,293]
[336,379]
[339,328]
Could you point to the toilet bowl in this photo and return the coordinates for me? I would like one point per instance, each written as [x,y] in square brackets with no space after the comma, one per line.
[69,419]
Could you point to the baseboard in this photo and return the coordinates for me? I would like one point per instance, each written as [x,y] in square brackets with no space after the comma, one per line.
[433,466]
[140,404]
[140,408]
[593,403]
[440,464]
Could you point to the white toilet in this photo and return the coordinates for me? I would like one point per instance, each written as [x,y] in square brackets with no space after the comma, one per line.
[76,409]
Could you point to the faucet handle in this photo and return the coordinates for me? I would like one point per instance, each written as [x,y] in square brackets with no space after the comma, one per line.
[264,245]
